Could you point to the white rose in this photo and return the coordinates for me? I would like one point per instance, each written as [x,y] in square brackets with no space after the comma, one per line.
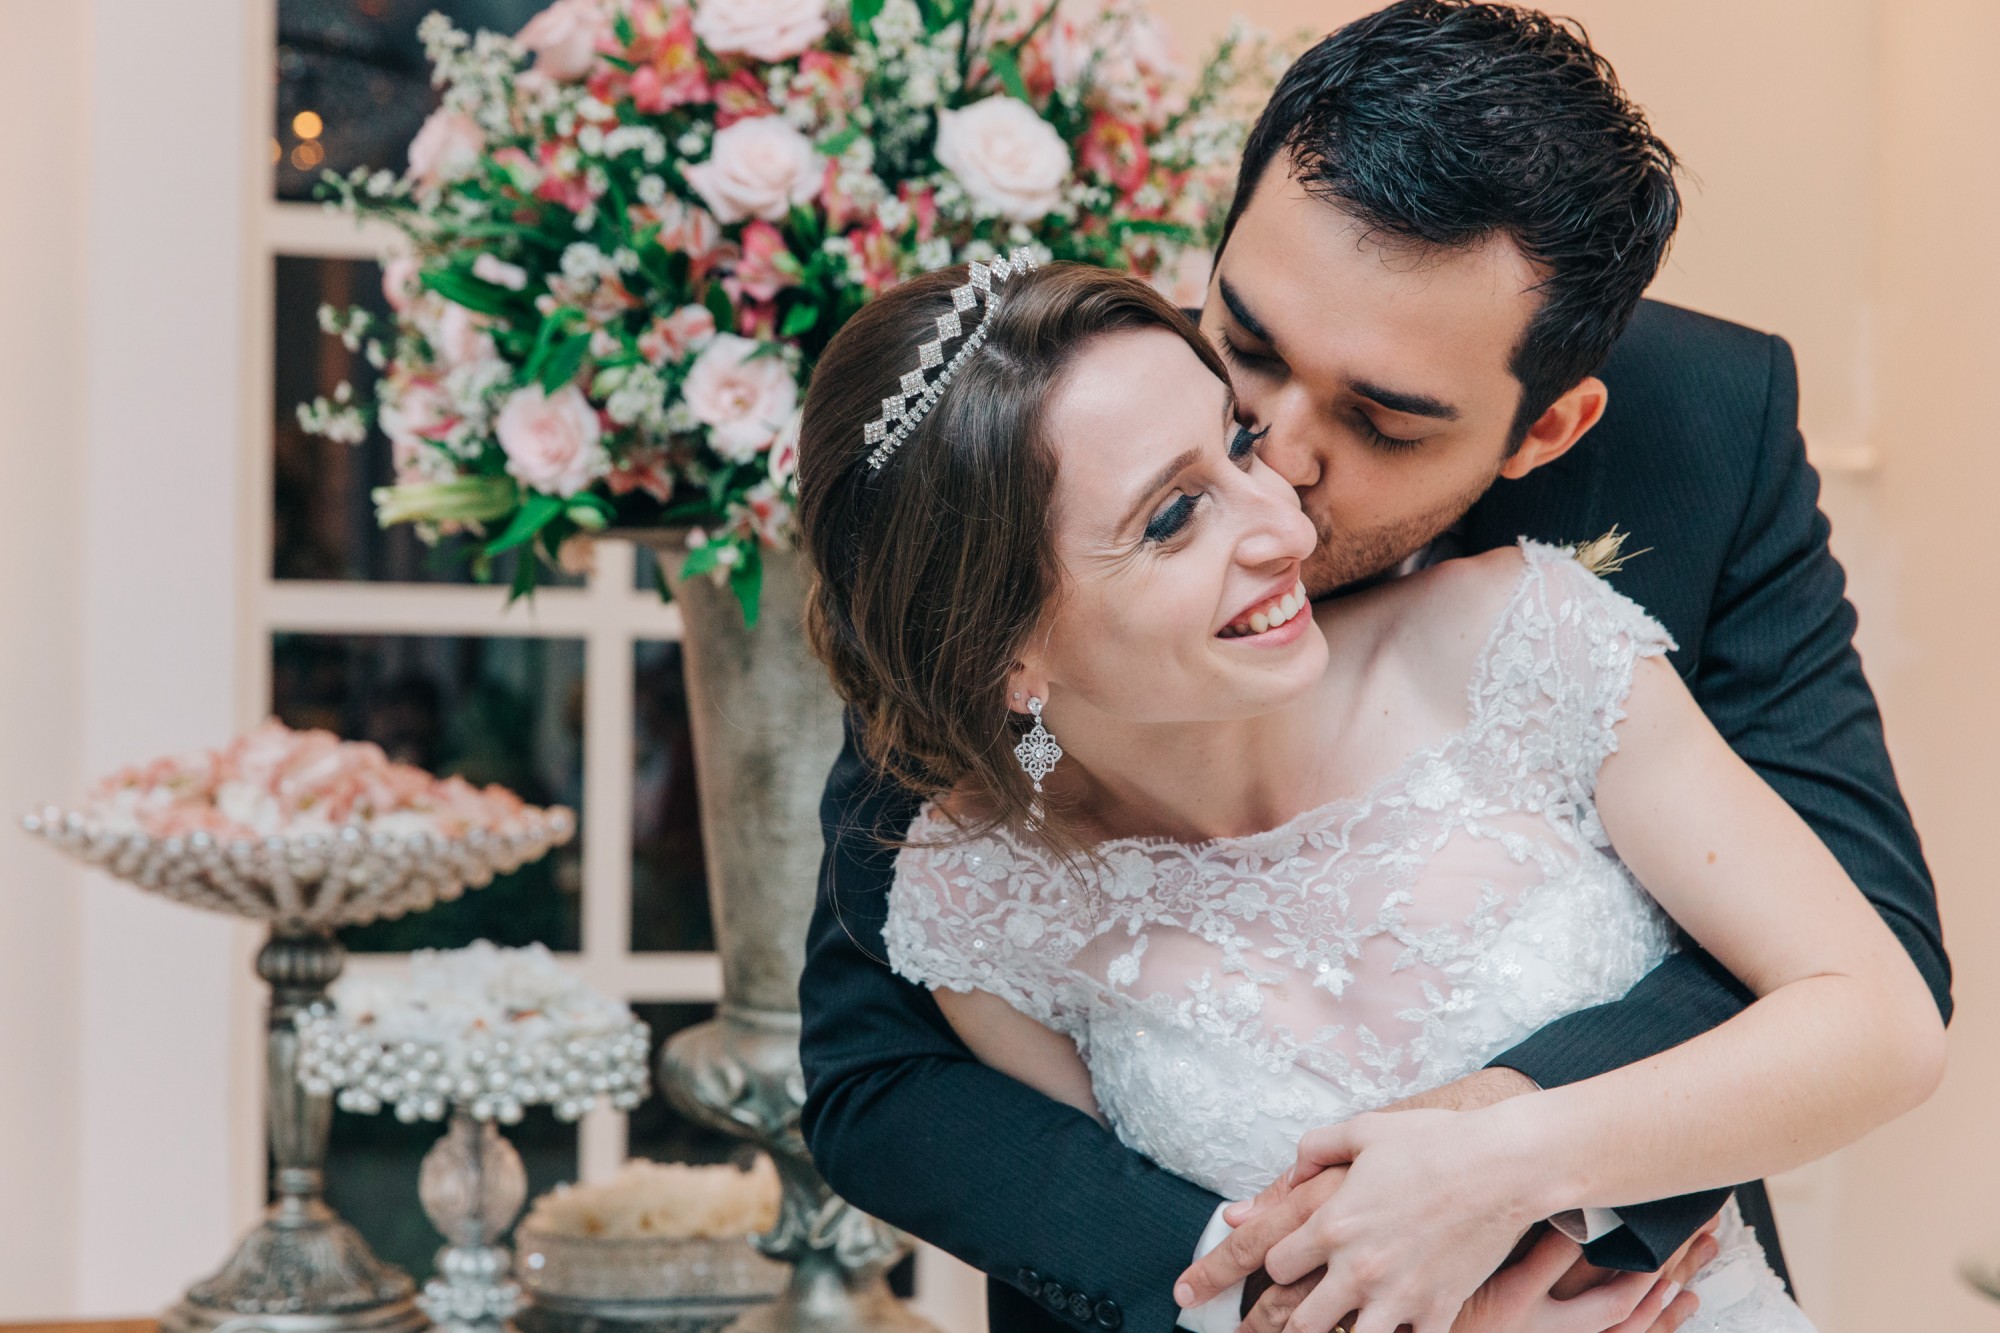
[551,443]
[759,168]
[764,29]
[564,38]
[744,403]
[447,148]
[1007,157]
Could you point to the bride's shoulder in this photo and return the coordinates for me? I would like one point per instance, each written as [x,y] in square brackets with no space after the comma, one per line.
[1450,608]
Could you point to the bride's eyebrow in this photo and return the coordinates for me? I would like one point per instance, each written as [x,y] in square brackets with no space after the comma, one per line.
[1181,462]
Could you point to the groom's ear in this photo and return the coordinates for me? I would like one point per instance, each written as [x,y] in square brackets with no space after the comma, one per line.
[1568,420]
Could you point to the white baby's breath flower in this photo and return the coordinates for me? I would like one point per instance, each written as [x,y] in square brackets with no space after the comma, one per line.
[652,189]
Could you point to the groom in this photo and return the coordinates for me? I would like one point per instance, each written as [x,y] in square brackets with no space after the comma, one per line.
[1429,291]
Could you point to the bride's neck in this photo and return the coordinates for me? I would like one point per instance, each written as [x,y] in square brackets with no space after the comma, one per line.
[1191,781]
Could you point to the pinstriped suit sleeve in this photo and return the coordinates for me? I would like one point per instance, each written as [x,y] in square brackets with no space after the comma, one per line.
[1780,678]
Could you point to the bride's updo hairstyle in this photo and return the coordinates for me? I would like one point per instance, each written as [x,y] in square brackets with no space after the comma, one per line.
[932,572]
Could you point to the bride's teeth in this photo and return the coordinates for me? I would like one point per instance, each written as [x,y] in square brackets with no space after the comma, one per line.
[1289,607]
[1259,623]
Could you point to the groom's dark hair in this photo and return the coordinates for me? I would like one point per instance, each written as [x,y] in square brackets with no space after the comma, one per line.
[1443,123]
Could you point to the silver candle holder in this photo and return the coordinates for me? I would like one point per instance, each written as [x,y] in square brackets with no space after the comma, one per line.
[302,1269]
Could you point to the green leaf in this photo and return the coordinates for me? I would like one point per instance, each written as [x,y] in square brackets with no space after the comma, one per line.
[865,13]
[841,141]
[799,319]
[535,513]
[702,560]
[592,513]
[718,305]
[524,577]
[746,580]
[564,362]
[470,292]
[1009,69]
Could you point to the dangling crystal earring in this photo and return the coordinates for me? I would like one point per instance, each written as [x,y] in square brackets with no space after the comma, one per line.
[1038,750]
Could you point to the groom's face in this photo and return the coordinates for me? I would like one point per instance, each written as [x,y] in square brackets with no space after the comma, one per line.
[1381,371]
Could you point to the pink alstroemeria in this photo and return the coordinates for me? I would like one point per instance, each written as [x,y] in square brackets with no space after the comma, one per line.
[766,267]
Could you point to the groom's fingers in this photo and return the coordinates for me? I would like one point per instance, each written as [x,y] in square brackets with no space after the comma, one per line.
[1236,1214]
[1276,1303]
[1242,1252]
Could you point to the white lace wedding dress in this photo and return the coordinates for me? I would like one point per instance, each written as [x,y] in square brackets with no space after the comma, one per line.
[1229,995]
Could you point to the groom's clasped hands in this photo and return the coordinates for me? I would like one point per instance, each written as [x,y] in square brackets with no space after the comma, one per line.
[1404,1220]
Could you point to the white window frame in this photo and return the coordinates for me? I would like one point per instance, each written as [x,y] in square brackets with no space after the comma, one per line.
[609,615]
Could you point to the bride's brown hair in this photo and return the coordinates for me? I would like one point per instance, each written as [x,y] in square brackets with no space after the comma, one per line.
[932,572]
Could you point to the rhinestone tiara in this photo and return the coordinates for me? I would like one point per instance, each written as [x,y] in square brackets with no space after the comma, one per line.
[903,411]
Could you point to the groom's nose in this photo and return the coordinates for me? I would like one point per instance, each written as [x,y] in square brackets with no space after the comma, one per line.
[1291,448]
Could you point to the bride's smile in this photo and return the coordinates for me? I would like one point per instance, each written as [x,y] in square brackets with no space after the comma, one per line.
[1183,601]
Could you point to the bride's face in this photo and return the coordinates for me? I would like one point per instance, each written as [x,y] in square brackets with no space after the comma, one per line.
[1180,550]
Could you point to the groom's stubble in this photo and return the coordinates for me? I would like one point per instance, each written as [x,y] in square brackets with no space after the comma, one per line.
[1343,558]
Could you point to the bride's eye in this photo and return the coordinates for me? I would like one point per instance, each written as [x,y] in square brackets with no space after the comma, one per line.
[1244,441]
[1171,521]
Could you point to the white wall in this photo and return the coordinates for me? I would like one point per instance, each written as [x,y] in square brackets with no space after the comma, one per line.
[122,410]
[41,468]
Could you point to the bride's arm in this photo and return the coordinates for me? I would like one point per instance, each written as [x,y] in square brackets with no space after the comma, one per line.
[1004,1038]
[1842,1037]
[1844,1034]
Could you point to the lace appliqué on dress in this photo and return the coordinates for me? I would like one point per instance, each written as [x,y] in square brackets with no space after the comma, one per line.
[1231,994]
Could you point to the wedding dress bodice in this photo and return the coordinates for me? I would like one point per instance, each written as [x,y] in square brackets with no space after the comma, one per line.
[1229,995]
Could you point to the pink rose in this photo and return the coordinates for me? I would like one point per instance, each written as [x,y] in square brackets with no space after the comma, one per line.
[670,337]
[400,282]
[744,399]
[765,270]
[447,148]
[417,413]
[458,337]
[564,38]
[761,29]
[760,168]
[551,443]
[1010,160]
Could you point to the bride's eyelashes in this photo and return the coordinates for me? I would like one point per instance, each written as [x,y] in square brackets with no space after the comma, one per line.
[1171,521]
[1245,441]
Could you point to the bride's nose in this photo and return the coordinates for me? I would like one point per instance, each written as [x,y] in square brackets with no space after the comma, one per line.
[1276,528]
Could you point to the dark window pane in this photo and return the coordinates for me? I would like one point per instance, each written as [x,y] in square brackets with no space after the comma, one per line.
[669,888]
[371,1177]
[352,83]
[322,511]
[656,1130]
[499,710]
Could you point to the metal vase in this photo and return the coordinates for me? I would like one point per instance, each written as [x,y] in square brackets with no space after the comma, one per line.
[766,731]
[301,1270]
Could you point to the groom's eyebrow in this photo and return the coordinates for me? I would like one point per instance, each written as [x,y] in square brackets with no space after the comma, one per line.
[1241,313]
[1410,404]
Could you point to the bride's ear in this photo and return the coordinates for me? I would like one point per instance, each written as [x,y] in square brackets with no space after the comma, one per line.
[1024,682]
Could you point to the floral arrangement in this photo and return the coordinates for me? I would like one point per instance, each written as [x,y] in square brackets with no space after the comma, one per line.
[277,782]
[668,1200]
[633,227]
[490,1030]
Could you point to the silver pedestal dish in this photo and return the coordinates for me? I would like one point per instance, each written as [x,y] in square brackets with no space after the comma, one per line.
[302,1269]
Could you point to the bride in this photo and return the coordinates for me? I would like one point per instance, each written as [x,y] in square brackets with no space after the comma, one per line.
[1191,837]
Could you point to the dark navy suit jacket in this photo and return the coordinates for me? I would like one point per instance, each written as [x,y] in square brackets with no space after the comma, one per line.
[1699,457]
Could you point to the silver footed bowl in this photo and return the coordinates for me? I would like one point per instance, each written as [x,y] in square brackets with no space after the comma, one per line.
[311,881]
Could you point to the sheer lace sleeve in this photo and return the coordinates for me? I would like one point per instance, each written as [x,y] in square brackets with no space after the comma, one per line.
[1595,637]
[988,915]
